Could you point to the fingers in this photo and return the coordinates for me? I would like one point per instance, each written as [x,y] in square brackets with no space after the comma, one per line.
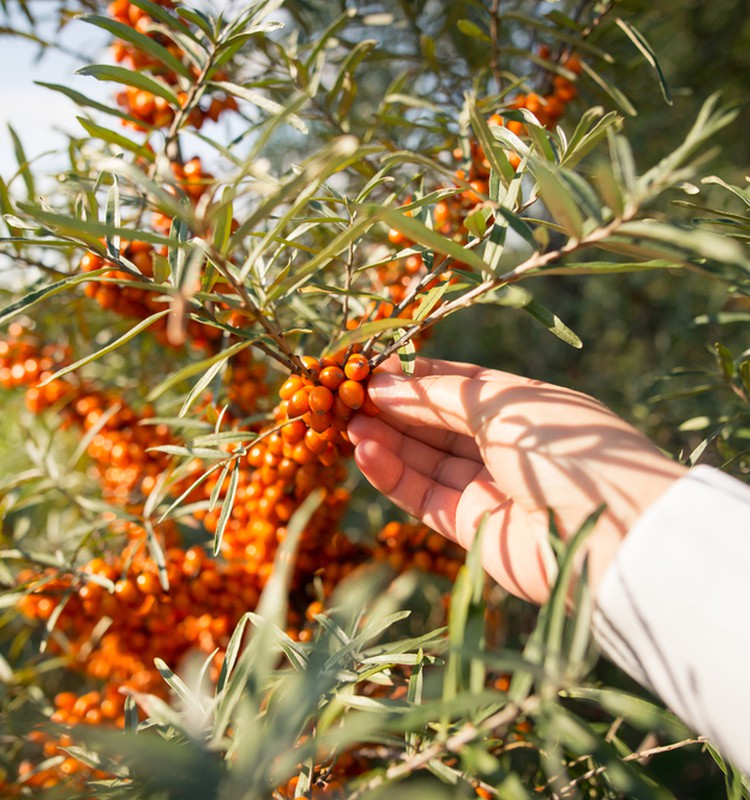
[417,494]
[446,466]
[448,442]
[515,550]
[445,402]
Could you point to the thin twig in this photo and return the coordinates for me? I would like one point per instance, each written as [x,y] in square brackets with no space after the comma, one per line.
[637,756]
[453,744]
[535,262]
[495,36]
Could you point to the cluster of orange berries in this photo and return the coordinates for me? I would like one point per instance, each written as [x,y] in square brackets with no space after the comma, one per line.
[315,409]
[450,213]
[198,612]
[190,181]
[149,108]
[24,362]
[112,292]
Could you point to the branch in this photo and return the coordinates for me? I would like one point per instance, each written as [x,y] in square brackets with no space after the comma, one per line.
[468,733]
[637,756]
[535,262]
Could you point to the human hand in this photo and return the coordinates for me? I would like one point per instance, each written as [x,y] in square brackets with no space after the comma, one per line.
[457,441]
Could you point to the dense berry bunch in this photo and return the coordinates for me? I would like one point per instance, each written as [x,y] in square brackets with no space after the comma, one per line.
[150,109]
[132,296]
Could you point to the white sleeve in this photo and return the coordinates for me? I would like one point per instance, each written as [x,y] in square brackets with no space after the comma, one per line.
[673,609]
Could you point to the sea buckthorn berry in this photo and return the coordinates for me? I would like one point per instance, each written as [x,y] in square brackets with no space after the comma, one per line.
[302,453]
[294,432]
[321,399]
[315,442]
[357,368]
[332,377]
[148,583]
[299,403]
[352,394]
[126,591]
[333,360]
[291,385]
[369,408]
[312,364]
[320,422]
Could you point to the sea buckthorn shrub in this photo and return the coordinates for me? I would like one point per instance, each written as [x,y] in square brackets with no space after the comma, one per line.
[200,597]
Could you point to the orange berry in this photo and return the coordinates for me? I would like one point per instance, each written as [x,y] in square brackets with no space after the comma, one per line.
[291,385]
[357,368]
[126,591]
[148,583]
[315,442]
[311,364]
[573,63]
[369,408]
[294,432]
[299,403]
[352,394]
[396,237]
[302,453]
[321,399]
[332,377]
[320,422]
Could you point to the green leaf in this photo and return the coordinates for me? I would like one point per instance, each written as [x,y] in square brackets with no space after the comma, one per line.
[108,72]
[472,30]
[175,683]
[466,625]
[195,368]
[286,284]
[126,337]
[418,232]
[88,231]
[201,384]
[232,653]
[639,40]
[141,41]
[407,353]
[593,127]
[636,710]
[227,506]
[495,155]
[172,22]
[23,163]
[32,298]
[85,102]
[113,137]
[556,616]
[261,101]
[726,362]
[556,195]
[199,19]
[364,332]
[615,94]
[684,244]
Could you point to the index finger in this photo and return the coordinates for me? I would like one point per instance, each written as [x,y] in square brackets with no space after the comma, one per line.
[454,403]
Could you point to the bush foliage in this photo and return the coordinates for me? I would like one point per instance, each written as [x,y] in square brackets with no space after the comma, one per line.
[200,600]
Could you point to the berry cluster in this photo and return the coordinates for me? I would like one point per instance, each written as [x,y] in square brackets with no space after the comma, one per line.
[203,603]
[119,291]
[148,108]
[396,277]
